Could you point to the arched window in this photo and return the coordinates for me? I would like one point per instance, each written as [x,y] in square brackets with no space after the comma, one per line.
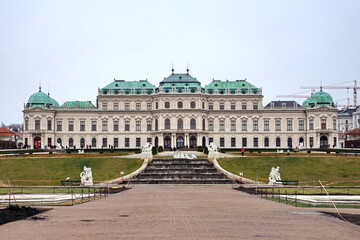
[193,124]
[167,123]
[278,142]
[192,104]
[59,141]
[203,124]
[71,142]
[93,142]
[156,124]
[180,124]
[289,142]
[180,104]
[82,142]
[167,104]
[167,142]
[266,142]
[193,141]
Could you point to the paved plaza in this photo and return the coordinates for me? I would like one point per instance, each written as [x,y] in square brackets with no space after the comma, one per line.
[182,212]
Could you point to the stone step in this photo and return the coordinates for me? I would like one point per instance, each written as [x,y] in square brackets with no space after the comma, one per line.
[180,170]
[176,176]
[182,181]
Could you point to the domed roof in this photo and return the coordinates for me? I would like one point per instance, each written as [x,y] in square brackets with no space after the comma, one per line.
[319,98]
[40,99]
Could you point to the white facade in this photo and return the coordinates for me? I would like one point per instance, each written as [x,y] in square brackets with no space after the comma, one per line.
[191,116]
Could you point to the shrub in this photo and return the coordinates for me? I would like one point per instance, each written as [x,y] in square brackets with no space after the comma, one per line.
[200,149]
[160,149]
[206,150]
[137,151]
[222,151]
[154,150]
[50,152]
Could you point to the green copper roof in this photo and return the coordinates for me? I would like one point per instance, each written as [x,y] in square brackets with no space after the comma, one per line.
[78,104]
[319,98]
[180,78]
[238,84]
[121,84]
[40,99]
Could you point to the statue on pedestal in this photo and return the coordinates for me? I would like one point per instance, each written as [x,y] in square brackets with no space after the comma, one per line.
[86,177]
[146,151]
[274,175]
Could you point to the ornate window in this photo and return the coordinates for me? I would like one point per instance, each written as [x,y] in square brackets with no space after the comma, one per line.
[278,142]
[211,125]
[277,125]
[222,125]
[138,125]
[180,104]
[256,142]
[180,124]
[59,126]
[127,125]
[167,104]
[82,125]
[222,142]
[116,126]
[71,142]
[167,123]
[138,106]
[222,106]
[193,104]
[93,125]
[244,142]
[116,142]
[233,106]
[233,142]
[104,125]
[301,125]
[233,125]
[266,142]
[37,124]
[71,126]
[255,125]
[323,123]
[266,125]
[289,125]
[49,125]
[211,106]
[149,125]
[192,123]
[93,142]
[244,125]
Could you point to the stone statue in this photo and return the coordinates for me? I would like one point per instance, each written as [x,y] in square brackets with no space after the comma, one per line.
[86,177]
[213,151]
[274,175]
[146,151]
[181,155]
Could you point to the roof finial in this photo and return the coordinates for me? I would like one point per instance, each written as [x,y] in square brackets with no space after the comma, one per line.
[48,91]
[39,86]
[187,67]
[172,69]
[320,85]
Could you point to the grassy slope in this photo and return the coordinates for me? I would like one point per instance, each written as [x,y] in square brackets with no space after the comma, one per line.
[302,168]
[57,169]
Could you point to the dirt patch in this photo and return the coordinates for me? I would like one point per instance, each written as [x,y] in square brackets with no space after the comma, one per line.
[352,218]
[14,213]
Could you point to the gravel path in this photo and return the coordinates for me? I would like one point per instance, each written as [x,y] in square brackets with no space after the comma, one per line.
[182,212]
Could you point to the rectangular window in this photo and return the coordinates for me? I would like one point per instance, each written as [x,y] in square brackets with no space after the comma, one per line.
[127,125]
[149,125]
[323,123]
[116,142]
[222,106]
[37,124]
[104,142]
[233,106]
[255,125]
[138,106]
[138,142]
[104,125]
[104,106]
[156,105]
[222,125]
[289,125]
[266,125]
[233,125]
[211,106]
[255,106]
[82,125]
[127,142]
[211,125]
[149,140]
[59,126]
[26,124]
[277,125]
[116,126]
[243,106]
[138,125]
[233,142]
[256,142]
[71,126]
[93,125]
[127,106]
[49,142]
[244,142]
[211,140]
[244,125]
[311,141]
[149,106]
[334,124]
[222,142]
[311,124]
[301,125]
[335,142]
[116,106]
[49,125]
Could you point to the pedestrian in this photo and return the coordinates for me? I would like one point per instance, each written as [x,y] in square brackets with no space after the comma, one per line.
[242,151]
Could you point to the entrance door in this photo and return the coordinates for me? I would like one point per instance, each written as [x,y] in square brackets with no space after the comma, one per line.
[156,141]
[323,142]
[203,141]
[167,142]
[180,142]
[193,141]
[37,142]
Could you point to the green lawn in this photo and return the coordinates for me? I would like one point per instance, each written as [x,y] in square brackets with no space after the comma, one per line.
[307,169]
[37,170]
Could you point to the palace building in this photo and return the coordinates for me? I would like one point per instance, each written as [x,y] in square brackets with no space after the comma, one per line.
[180,112]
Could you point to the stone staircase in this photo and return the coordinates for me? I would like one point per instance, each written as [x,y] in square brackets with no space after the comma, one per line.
[181,171]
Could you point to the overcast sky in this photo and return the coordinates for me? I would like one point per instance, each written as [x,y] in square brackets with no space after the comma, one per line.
[74,47]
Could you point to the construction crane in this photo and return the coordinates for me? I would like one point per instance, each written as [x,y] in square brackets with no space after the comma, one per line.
[355,87]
